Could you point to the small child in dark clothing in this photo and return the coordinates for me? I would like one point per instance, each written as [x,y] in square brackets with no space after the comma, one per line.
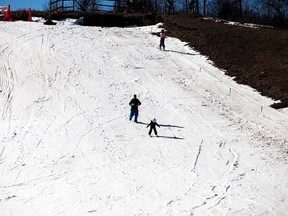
[152,125]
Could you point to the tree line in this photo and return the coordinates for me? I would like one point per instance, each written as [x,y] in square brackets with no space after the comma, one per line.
[264,12]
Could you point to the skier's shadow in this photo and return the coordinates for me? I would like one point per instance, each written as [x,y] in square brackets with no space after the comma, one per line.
[141,123]
[170,137]
[185,53]
[168,125]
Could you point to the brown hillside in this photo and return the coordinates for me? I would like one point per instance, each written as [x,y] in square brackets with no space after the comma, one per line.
[257,57]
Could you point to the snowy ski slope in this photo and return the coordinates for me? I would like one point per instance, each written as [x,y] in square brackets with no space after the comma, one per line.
[68,148]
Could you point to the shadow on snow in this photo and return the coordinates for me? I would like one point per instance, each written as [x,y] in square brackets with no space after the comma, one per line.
[185,53]
[170,137]
[138,122]
[168,125]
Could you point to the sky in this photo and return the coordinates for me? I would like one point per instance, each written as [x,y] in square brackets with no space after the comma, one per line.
[24,4]
[67,146]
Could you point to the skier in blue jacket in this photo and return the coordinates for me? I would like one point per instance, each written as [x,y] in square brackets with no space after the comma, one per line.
[134,103]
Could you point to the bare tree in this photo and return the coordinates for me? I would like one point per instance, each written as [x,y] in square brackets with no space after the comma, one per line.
[142,6]
[194,6]
[170,6]
[240,8]
[276,10]
[46,6]
[87,5]
[204,7]
[278,6]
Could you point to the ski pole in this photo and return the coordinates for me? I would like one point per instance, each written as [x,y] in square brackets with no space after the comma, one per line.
[145,114]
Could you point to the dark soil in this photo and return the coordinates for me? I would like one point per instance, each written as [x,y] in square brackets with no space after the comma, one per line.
[257,57]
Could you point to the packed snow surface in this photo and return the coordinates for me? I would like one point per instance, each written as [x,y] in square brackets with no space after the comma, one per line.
[67,146]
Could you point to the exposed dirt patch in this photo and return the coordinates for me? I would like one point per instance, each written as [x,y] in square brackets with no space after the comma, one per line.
[257,57]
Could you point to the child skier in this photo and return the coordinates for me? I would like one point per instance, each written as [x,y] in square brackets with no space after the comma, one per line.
[152,125]
[162,39]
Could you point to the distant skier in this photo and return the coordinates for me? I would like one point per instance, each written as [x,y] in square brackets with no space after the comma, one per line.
[162,39]
[153,125]
[134,103]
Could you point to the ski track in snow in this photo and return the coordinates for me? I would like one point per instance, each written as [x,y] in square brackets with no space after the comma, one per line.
[68,148]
